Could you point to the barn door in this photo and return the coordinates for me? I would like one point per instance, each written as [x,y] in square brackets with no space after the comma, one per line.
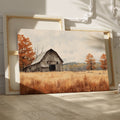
[52,67]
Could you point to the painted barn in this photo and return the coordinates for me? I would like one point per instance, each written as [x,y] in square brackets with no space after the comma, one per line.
[45,62]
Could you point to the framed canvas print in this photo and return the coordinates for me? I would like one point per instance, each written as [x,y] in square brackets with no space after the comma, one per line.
[63,61]
[12,25]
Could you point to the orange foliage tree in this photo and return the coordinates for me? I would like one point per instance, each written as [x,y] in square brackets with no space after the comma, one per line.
[103,61]
[26,53]
[90,62]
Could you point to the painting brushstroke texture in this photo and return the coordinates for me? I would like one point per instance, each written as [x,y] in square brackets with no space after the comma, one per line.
[62,61]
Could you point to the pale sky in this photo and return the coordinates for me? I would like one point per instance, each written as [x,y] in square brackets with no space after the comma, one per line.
[72,46]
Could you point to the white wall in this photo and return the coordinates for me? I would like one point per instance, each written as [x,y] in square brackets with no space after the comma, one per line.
[2,81]
[65,8]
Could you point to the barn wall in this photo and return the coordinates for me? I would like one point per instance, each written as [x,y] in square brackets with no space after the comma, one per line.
[66,9]
[51,56]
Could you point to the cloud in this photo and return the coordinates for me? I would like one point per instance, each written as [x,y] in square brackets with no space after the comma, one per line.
[72,46]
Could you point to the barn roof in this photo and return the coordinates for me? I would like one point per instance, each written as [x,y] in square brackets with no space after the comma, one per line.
[39,58]
[42,55]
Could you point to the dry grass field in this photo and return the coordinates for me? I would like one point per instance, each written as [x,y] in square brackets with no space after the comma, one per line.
[62,82]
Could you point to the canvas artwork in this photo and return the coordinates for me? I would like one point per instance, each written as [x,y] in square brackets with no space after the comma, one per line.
[62,61]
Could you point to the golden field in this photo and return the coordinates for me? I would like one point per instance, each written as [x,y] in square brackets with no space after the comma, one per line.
[62,82]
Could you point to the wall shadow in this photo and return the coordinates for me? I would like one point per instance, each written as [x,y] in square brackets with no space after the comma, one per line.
[23,7]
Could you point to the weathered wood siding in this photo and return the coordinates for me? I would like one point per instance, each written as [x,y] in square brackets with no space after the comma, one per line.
[43,66]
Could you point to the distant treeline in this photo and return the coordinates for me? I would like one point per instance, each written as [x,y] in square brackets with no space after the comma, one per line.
[89,64]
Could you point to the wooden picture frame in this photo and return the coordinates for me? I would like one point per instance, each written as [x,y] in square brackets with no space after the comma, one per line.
[21,22]
[13,23]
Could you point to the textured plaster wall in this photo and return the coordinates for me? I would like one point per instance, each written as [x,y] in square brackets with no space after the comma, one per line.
[66,9]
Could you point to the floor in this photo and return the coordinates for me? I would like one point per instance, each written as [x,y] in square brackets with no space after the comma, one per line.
[72,106]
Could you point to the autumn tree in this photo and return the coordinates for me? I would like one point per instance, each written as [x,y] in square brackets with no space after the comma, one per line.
[26,53]
[103,61]
[90,62]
